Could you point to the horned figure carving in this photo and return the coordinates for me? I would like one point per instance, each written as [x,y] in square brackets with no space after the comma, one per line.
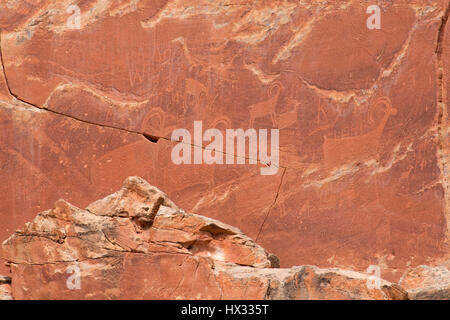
[344,150]
[267,107]
[148,122]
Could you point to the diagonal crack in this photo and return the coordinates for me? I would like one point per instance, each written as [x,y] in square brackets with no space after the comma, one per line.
[272,205]
[60,113]
[150,137]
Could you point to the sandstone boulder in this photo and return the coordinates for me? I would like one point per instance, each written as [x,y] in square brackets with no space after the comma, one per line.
[304,283]
[137,244]
[427,282]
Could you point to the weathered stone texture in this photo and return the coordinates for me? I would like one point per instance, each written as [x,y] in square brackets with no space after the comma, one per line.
[5,288]
[363,118]
[428,282]
[137,244]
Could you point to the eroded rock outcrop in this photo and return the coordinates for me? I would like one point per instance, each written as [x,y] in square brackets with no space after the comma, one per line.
[137,244]
[428,282]
[303,283]
[5,288]
[362,114]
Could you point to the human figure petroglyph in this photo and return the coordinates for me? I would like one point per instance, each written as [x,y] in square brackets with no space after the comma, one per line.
[341,150]
[267,107]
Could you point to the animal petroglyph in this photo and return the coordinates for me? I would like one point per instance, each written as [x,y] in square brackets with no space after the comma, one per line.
[196,89]
[339,151]
[267,107]
[154,123]
[321,113]
[148,122]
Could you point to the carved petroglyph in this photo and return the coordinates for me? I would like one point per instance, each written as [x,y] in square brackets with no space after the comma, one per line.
[148,121]
[221,123]
[154,123]
[267,107]
[347,149]
[322,114]
[341,152]
[196,90]
[192,62]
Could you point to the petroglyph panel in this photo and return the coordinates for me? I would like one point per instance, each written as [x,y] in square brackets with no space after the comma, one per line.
[362,115]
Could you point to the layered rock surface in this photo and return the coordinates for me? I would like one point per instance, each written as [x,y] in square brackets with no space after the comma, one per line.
[137,244]
[428,282]
[363,117]
[5,288]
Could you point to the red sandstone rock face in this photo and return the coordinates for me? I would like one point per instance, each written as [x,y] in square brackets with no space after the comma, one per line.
[137,244]
[362,117]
